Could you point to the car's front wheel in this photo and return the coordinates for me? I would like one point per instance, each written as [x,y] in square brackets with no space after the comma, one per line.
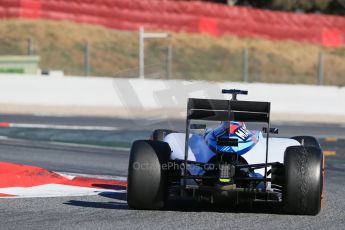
[307,141]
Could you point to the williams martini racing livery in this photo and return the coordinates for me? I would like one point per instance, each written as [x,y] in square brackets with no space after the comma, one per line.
[227,163]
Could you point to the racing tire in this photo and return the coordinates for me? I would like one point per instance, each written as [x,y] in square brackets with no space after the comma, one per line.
[303,184]
[159,134]
[147,180]
[307,141]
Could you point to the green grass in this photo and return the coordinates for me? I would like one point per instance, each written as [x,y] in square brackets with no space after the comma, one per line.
[115,53]
[120,138]
[11,70]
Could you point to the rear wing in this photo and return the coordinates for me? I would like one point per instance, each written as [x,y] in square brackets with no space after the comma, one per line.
[226,110]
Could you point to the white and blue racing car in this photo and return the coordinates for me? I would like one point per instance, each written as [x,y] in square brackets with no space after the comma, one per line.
[228,162]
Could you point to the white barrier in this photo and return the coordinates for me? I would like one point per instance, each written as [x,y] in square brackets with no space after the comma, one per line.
[135,97]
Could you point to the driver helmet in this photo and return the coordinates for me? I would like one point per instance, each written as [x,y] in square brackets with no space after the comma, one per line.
[232,130]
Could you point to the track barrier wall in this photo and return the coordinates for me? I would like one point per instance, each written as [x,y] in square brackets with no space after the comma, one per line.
[160,98]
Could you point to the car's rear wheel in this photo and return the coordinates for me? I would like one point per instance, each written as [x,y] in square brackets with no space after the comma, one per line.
[147,175]
[303,184]
[159,134]
[307,141]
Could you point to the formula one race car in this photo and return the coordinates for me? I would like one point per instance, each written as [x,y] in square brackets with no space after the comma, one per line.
[227,163]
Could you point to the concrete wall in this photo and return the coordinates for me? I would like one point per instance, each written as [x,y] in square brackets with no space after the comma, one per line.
[160,98]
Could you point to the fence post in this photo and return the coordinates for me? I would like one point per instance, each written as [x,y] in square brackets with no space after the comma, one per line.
[87,59]
[320,69]
[30,47]
[141,53]
[168,61]
[245,65]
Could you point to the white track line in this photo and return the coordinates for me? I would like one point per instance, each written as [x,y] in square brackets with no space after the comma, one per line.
[54,190]
[60,190]
[88,146]
[66,127]
[3,138]
[70,176]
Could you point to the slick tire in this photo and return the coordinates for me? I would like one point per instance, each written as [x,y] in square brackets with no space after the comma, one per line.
[147,180]
[303,182]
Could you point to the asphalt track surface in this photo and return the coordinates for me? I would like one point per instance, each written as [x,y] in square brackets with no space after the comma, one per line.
[111,212]
[290,129]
